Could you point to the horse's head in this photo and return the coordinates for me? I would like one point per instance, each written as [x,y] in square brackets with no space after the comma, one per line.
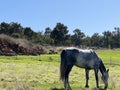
[105,77]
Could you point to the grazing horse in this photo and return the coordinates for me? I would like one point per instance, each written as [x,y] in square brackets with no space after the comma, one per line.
[87,59]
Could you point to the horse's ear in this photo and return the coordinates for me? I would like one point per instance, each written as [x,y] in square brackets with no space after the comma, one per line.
[107,70]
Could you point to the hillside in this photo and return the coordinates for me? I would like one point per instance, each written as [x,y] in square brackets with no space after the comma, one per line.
[12,46]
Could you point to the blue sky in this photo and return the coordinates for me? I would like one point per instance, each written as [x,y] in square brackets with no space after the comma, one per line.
[90,16]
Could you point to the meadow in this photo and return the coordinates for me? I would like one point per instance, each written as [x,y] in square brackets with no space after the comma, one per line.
[42,72]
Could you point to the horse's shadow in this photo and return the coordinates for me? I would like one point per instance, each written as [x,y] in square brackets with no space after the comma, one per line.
[98,89]
[57,89]
[82,88]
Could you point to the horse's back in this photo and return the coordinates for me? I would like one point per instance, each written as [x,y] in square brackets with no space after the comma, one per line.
[69,55]
[87,59]
[80,58]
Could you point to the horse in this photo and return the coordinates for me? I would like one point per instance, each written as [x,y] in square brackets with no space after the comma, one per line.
[86,59]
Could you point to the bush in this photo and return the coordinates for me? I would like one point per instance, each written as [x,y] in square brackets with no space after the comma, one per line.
[11,46]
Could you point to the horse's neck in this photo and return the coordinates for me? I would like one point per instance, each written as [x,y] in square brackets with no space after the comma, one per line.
[102,68]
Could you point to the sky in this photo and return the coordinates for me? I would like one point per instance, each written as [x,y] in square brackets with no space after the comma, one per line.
[90,16]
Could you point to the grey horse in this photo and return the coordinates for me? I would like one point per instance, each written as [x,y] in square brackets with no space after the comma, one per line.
[86,59]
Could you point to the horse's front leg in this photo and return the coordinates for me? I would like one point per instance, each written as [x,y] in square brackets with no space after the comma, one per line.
[87,77]
[96,77]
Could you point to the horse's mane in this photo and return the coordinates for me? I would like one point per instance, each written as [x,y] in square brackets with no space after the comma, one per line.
[102,67]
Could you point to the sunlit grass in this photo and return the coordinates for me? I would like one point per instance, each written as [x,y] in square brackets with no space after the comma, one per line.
[109,56]
[42,72]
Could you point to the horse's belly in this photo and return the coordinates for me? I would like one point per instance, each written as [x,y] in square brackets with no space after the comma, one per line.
[84,64]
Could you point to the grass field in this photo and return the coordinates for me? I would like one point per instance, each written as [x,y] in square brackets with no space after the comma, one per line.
[42,72]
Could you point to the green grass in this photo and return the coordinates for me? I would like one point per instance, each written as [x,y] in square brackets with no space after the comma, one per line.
[42,72]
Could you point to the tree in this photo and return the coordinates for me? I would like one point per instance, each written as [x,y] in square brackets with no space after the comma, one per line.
[47,31]
[87,41]
[12,29]
[107,39]
[15,30]
[59,34]
[117,36]
[77,38]
[4,27]
[28,32]
[96,40]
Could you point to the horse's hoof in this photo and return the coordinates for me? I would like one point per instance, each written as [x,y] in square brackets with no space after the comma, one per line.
[105,88]
[68,88]
[87,86]
[98,88]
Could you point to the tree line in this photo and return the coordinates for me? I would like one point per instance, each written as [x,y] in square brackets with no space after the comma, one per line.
[59,36]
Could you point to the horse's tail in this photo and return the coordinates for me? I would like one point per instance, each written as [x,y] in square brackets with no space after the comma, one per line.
[63,65]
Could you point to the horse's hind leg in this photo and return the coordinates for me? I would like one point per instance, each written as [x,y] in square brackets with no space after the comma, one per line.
[87,77]
[66,81]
